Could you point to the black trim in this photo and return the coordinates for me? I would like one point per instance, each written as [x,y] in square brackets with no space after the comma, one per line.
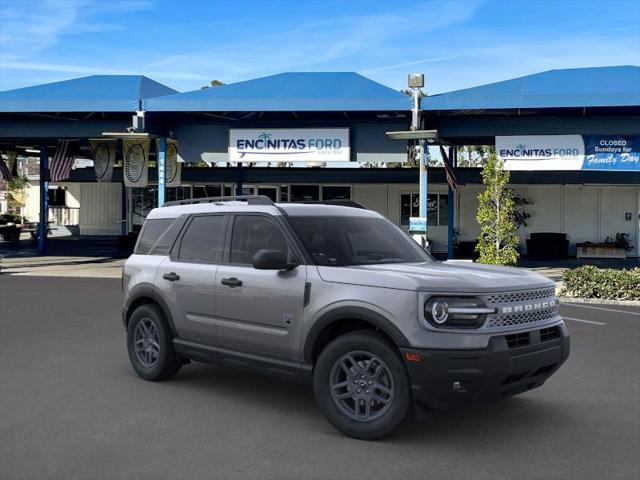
[244,361]
[350,313]
[483,375]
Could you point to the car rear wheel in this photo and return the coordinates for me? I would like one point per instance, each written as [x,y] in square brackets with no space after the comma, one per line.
[361,385]
[150,344]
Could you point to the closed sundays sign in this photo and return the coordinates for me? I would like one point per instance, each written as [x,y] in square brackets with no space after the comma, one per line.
[289,145]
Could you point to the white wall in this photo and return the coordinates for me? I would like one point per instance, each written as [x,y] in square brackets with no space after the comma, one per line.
[583,212]
[100,208]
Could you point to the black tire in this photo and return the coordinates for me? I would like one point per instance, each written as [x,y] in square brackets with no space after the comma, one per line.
[330,372]
[166,363]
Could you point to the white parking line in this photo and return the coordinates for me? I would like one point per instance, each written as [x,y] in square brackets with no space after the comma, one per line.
[583,321]
[601,308]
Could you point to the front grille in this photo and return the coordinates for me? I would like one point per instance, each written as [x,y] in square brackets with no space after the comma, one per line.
[549,333]
[522,308]
[497,321]
[519,297]
[522,339]
[518,340]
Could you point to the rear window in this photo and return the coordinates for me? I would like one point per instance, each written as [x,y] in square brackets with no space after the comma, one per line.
[151,233]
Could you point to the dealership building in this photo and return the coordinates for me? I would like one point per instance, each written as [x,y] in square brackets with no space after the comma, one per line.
[570,137]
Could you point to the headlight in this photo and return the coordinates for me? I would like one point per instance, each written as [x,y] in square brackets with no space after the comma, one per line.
[456,312]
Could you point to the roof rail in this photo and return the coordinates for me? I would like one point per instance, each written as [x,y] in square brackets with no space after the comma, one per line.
[250,199]
[340,203]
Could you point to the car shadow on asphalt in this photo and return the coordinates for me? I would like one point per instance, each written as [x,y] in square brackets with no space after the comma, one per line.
[508,418]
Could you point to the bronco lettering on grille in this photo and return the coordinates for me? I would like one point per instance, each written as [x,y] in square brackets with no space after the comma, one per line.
[528,307]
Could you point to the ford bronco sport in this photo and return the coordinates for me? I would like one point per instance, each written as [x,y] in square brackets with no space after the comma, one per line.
[340,297]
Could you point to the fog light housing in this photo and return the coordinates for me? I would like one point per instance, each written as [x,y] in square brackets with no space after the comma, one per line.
[456,312]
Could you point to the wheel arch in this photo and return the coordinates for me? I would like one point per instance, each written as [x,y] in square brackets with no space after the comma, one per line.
[144,294]
[345,319]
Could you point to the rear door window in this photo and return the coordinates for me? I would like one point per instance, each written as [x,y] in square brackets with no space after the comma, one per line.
[151,232]
[203,240]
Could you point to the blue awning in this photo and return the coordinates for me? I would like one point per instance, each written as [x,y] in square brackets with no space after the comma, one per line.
[288,92]
[577,87]
[96,93]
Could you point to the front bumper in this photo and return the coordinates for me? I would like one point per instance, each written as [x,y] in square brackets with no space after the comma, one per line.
[511,364]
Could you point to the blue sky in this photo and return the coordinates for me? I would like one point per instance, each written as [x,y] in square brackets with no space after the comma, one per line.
[184,44]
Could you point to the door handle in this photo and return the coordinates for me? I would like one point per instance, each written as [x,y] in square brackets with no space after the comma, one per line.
[231,282]
[172,277]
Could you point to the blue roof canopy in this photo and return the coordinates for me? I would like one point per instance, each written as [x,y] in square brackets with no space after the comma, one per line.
[96,93]
[577,87]
[297,92]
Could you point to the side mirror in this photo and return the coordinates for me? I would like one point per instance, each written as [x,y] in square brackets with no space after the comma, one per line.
[272,260]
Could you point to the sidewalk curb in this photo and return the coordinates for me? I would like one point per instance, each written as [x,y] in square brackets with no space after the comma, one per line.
[599,301]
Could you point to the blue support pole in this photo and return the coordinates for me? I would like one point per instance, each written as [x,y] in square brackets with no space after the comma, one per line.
[239,178]
[450,208]
[162,160]
[44,199]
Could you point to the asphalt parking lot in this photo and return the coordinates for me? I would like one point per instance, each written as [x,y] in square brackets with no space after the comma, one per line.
[72,408]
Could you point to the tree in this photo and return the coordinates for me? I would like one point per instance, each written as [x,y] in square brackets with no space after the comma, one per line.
[213,83]
[497,242]
[474,155]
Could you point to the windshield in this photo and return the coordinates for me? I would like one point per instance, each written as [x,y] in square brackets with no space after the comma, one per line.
[343,241]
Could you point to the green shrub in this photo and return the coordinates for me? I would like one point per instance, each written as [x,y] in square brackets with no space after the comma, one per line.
[592,282]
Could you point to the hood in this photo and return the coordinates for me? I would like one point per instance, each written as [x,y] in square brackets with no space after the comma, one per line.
[450,276]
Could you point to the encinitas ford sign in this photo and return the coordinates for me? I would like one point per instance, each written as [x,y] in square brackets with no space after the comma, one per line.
[289,145]
[541,152]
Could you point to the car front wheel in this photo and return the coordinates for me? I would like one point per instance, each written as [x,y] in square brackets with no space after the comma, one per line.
[361,385]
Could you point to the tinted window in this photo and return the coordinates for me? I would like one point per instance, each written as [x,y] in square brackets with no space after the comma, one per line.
[252,233]
[151,232]
[163,245]
[344,241]
[203,240]
[305,193]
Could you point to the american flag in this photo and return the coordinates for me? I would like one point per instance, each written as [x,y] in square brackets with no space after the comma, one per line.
[5,173]
[62,161]
[451,175]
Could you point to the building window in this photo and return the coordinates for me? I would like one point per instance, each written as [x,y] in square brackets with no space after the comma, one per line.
[57,197]
[143,200]
[305,193]
[336,192]
[437,211]
[178,193]
[202,191]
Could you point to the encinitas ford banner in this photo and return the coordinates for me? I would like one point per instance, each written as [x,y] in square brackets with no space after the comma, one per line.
[289,145]
[569,152]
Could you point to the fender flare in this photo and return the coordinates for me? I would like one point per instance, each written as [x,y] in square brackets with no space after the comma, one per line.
[148,290]
[351,313]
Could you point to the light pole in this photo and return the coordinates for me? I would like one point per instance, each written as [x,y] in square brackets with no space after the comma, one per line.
[418,227]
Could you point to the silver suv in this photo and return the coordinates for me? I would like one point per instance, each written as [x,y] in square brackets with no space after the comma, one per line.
[340,297]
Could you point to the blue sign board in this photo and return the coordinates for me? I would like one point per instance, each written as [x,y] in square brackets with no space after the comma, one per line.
[418,224]
[611,152]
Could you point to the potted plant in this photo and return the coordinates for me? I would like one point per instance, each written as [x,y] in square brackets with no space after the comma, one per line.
[611,247]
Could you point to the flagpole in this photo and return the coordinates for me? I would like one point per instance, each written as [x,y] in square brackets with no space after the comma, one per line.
[44,199]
